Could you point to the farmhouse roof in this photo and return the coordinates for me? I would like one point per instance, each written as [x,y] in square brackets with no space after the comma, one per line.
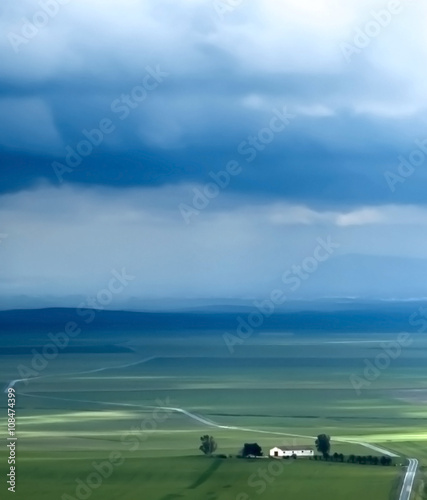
[294,448]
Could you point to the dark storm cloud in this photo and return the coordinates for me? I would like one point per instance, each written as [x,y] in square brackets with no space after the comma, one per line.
[352,121]
[115,115]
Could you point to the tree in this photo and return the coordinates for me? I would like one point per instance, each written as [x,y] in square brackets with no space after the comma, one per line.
[323,444]
[208,445]
[251,449]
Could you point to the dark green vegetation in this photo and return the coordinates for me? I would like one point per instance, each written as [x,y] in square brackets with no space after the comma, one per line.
[252,450]
[323,444]
[276,389]
[208,445]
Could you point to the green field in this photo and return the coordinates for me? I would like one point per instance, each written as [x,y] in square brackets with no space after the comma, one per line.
[196,478]
[274,390]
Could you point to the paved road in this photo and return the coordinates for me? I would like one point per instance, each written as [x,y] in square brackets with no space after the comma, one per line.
[13,383]
[198,418]
[203,420]
[409,479]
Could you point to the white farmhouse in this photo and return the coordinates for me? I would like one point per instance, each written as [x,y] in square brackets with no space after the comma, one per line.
[290,451]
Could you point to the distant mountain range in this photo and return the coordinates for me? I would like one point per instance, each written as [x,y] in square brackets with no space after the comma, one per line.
[347,316]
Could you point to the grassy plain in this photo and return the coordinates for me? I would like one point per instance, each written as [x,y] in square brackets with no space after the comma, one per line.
[274,389]
[197,478]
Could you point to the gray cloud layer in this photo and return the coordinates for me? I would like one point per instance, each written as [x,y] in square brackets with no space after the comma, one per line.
[181,90]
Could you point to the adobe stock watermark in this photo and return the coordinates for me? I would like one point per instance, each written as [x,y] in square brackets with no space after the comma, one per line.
[121,109]
[363,36]
[293,278]
[101,471]
[137,435]
[105,469]
[419,318]
[59,341]
[391,351]
[3,236]
[374,368]
[249,150]
[31,26]
[224,7]
[259,481]
[407,165]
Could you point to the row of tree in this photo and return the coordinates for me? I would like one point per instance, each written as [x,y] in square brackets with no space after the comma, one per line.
[336,457]
[208,447]
[369,459]
[323,445]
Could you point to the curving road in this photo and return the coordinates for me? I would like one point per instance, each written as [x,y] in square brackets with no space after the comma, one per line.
[13,383]
[198,418]
[409,479]
[407,482]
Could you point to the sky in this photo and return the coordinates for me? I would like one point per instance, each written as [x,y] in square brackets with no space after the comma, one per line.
[211,151]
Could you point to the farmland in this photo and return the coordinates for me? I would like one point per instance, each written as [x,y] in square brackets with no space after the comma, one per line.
[149,401]
[200,478]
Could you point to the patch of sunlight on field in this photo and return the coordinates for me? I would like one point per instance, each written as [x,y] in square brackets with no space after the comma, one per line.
[412,449]
[382,438]
[373,407]
[106,434]
[76,417]
[68,433]
[123,377]
[415,414]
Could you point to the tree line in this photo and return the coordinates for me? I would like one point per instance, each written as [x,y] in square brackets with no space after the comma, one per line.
[356,459]
[323,446]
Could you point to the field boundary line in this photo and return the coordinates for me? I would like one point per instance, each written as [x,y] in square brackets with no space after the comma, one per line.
[210,423]
[13,383]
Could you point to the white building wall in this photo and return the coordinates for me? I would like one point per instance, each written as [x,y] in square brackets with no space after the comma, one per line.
[298,453]
[278,453]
